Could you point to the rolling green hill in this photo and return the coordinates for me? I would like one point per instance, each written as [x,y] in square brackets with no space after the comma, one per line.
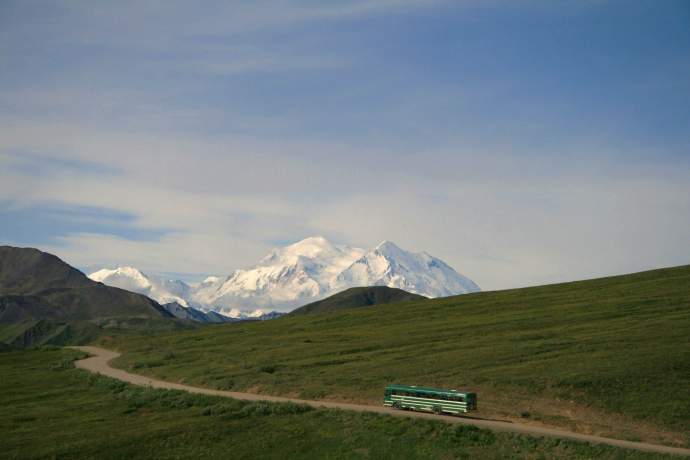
[609,356]
[357,297]
[51,410]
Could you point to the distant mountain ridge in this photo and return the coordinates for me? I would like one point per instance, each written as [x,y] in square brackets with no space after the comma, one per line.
[356,298]
[43,300]
[158,288]
[35,285]
[193,314]
[297,274]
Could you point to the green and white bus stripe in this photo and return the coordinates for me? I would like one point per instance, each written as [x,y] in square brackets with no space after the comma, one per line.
[427,404]
[429,399]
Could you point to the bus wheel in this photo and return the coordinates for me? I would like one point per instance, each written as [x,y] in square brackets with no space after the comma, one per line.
[396,405]
[438,410]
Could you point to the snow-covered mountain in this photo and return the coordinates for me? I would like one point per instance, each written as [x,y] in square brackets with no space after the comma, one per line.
[160,289]
[388,265]
[190,313]
[174,295]
[297,274]
[284,279]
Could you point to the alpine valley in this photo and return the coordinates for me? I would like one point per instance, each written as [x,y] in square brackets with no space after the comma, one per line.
[300,273]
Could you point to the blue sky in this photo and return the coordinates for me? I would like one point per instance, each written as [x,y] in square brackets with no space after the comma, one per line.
[523,142]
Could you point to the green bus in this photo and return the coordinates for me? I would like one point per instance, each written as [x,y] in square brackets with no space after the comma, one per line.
[428,399]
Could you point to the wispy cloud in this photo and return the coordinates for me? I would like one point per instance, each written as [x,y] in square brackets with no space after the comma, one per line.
[221,207]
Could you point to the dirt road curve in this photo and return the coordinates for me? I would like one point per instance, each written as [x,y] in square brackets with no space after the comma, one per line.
[99,363]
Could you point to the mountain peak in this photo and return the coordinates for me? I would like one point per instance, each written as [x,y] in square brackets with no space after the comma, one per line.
[126,271]
[389,249]
[387,243]
[133,279]
[419,273]
[315,239]
[310,247]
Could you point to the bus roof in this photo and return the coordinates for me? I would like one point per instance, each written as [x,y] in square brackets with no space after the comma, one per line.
[420,388]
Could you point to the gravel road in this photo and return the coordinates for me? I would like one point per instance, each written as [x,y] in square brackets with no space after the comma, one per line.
[99,363]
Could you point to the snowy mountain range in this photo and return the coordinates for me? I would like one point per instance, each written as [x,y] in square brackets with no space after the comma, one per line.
[158,288]
[297,274]
[193,314]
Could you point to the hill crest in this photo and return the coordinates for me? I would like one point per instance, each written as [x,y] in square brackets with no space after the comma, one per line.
[358,297]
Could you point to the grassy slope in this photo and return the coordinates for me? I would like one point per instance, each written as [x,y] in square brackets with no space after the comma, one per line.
[573,355]
[51,410]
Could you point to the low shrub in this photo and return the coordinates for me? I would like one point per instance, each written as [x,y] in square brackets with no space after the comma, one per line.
[470,435]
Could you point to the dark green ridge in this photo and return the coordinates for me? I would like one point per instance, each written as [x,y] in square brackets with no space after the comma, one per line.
[35,285]
[43,300]
[357,297]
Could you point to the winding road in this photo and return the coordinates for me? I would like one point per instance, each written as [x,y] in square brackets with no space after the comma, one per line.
[99,363]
